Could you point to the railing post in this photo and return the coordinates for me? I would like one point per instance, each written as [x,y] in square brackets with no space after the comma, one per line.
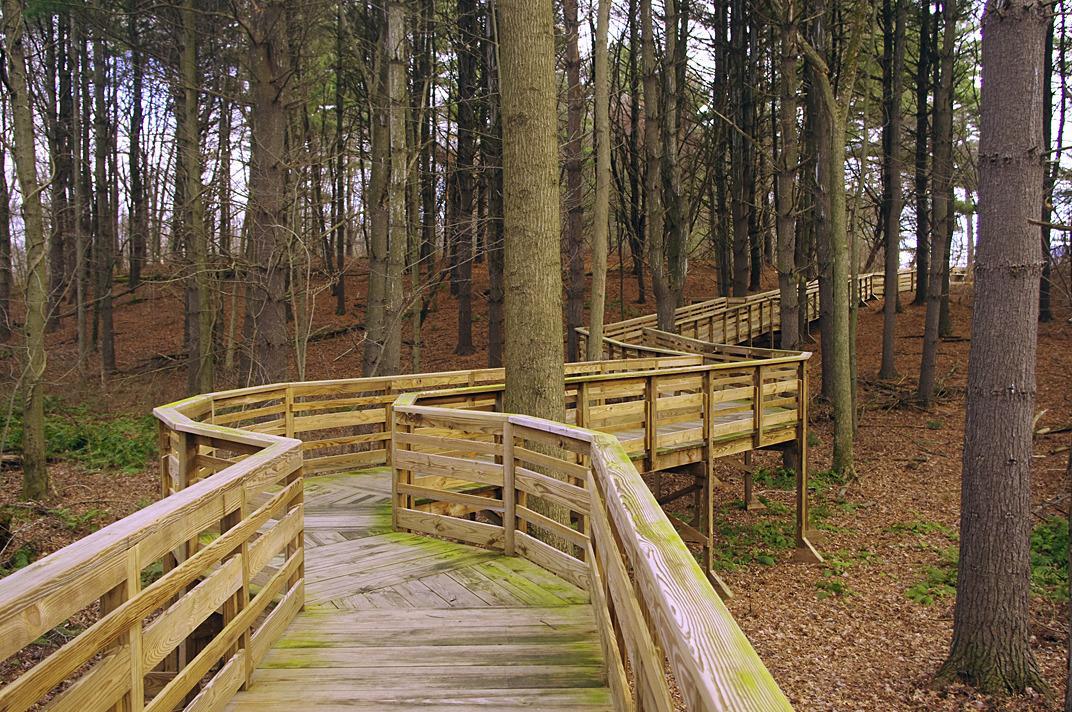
[802,455]
[288,401]
[298,542]
[582,415]
[509,491]
[398,476]
[128,588]
[388,413]
[240,599]
[651,415]
[757,407]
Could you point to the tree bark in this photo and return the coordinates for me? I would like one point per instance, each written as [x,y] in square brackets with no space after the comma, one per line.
[492,157]
[104,238]
[892,203]
[394,303]
[139,216]
[269,71]
[991,632]
[376,206]
[533,353]
[6,281]
[923,73]
[463,175]
[654,217]
[601,205]
[35,480]
[573,198]
[943,206]
[785,180]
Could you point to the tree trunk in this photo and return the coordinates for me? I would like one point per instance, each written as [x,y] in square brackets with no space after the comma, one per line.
[1048,178]
[35,481]
[533,353]
[104,239]
[338,192]
[676,245]
[573,197]
[991,632]
[535,383]
[832,118]
[741,153]
[943,207]
[376,208]
[6,282]
[394,303]
[892,203]
[269,71]
[923,74]
[492,157]
[139,216]
[785,180]
[654,238]
[601,205]
[463,176]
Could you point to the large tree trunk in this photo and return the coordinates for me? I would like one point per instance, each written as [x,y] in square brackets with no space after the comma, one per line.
[535,382]
[892,200]
[35,483]
[573,198]
[991,631]
[941,182]
[533,354]
[601,205]
[785,180]
[269,71]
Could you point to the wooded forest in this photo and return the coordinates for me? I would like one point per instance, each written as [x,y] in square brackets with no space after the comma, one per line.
[200,195]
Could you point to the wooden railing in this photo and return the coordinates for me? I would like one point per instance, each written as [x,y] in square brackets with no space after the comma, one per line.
[514,483]
[734,320]
[181,598]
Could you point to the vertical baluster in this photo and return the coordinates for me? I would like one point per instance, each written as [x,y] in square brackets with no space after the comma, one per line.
[509,489]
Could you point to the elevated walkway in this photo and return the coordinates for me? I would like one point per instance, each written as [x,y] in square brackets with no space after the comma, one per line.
[498,561]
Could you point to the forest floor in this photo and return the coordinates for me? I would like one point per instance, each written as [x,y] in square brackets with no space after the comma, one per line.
[865,631]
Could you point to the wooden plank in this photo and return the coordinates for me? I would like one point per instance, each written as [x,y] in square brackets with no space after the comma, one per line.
[451,527]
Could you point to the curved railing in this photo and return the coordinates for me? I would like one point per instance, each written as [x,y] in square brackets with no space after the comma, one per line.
[513,483]
[173,605]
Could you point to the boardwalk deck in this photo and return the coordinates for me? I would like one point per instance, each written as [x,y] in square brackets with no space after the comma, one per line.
[398,621]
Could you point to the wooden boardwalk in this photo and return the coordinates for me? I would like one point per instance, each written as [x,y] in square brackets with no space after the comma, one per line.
[399,621]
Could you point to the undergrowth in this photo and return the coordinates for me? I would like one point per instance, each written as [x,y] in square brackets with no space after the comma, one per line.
[1049,562]
[124,443]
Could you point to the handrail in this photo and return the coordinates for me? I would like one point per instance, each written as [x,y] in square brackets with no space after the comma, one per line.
[205,617]
[652,600]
